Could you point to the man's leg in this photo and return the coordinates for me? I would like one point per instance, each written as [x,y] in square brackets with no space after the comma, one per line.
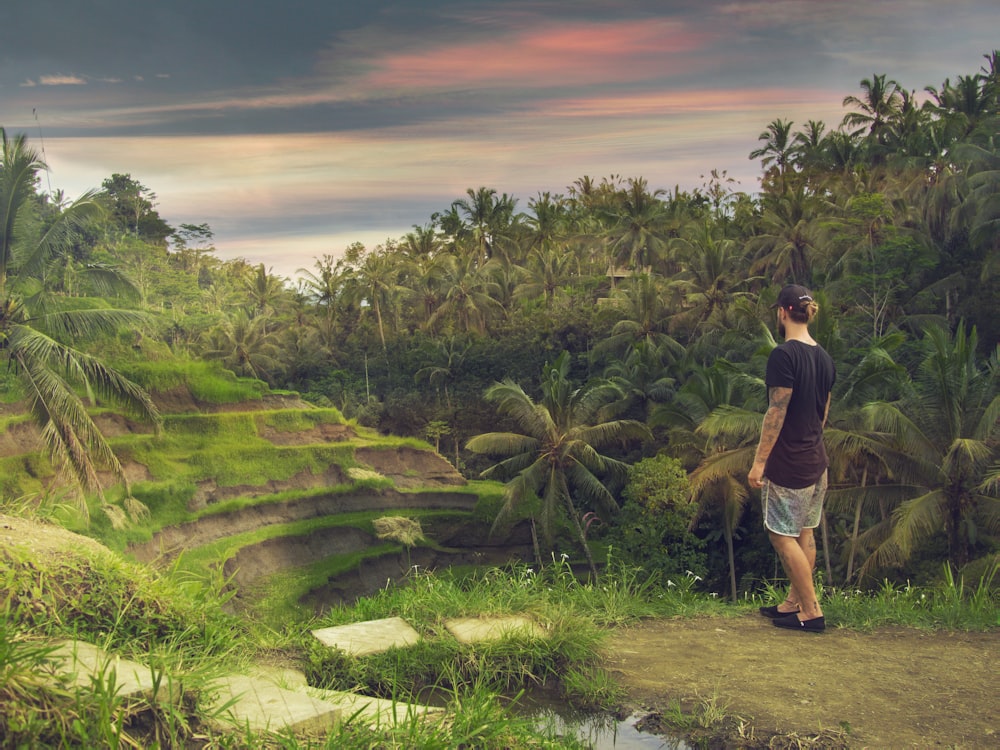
[798,555]
[807,542]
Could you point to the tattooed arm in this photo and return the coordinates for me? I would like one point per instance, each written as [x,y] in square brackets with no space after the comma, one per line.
[778,399]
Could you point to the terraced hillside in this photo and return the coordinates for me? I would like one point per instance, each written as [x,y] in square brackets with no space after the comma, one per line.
[282,499]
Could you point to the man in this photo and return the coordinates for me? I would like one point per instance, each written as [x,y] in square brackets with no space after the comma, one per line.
[790,464]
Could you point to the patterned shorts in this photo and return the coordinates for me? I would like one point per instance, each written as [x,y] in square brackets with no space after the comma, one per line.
[787,512]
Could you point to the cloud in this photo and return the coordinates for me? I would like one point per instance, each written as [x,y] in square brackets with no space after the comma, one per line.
[573,54]
[62,80]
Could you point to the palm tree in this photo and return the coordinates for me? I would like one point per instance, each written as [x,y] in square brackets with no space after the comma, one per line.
[33,326]
[468,294]
[778,149]
[487,219]
[244,345]
[644,378]
[879,105]
[640,227]
[712,272]
[728,430]
[939,441]
[556,457]
[450,354]
[789,237]
[546,272]
[378,285]
[644,319]
[263,290]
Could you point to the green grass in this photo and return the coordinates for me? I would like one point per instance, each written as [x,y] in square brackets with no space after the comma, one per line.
[949,603]
[173,621]
[206,381]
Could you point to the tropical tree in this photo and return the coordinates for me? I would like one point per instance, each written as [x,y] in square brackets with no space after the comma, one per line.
[790,237]
[546,272]
[880,103]
[939,440]
[376,282]
[644,314]
[556,458]
[244,344]
[485,219]
[778,149]
[263,291]
[712,272]
[639,227]
[468,295]
[35,324]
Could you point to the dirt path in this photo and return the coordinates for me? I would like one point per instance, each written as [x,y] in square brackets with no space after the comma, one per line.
[893,688]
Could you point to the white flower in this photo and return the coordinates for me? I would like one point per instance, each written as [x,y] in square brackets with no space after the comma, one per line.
[670,583]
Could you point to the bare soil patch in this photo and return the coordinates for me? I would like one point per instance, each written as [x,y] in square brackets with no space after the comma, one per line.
[891,688]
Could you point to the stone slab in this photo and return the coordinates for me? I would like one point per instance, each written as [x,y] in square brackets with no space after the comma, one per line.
[261,706]
[375,712]
[82,663]
[369,637]
[476,629]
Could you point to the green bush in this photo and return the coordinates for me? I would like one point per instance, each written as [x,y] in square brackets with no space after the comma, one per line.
[652,530]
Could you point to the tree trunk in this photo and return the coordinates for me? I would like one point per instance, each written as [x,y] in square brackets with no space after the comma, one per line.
[855,529]
[534,544]
[732,561]
[582,537]
[826,549]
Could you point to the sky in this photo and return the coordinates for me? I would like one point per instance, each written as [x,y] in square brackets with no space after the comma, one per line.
[294,128]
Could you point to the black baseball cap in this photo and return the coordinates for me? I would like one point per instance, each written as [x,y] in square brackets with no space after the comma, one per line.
[793,297]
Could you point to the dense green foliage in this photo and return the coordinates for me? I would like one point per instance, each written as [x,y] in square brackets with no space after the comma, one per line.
[657,297]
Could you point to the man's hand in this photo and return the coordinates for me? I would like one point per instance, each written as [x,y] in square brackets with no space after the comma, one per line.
[756,476]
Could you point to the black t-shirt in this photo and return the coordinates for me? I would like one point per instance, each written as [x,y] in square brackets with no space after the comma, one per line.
[798,458]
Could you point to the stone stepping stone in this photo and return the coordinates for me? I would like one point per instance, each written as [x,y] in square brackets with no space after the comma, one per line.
[375,712]
[82,663]
[369,637]
[476,629]
[262,706]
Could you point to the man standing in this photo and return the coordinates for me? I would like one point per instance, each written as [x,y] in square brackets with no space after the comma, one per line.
[790,463]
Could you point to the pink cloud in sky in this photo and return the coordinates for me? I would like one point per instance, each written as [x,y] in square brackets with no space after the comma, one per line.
[701,100]
[571,54]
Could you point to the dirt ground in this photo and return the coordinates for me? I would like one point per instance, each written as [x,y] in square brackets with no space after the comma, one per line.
[891,688]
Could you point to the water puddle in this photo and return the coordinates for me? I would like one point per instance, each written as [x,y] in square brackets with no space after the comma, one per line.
[599,731]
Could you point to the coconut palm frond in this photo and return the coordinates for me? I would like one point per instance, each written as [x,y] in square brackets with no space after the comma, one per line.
[56,238]
[990,483]
[84,324]
[851,446]
[502,444]
[589,487]
[29,345]
[731,423]
[916,519]
[989,422]
[966,457]
[67,431]
[510,467]
[610,433]
[845,499]
[889,419]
